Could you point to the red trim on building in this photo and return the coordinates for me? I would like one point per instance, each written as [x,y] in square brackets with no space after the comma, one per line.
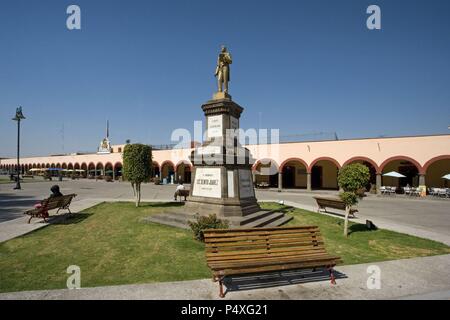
[320,159]
[414,162]
[362,158]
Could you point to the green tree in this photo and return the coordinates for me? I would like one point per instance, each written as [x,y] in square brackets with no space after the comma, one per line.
[351,179]
[137,166]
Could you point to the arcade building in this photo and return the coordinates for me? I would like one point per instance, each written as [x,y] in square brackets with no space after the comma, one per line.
[313,165]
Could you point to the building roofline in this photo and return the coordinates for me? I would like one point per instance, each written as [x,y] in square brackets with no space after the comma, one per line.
[368,138]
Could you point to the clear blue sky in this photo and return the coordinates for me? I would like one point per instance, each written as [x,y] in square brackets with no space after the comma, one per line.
[147,66]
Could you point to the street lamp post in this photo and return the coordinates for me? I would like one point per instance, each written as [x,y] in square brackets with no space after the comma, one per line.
[18,117]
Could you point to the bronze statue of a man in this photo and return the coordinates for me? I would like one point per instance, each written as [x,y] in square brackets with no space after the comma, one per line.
[223,70]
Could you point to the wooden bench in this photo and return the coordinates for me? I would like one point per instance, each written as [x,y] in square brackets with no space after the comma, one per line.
[323,203]
[182,193]
[60,203]
[256,250]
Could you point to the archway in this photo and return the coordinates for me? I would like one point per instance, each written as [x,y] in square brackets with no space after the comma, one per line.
[266,173]
[403,165]
[76,170]
[155,169]
[91,170]
[118,170]
[294,173]
[435,169]
[69,171]
[167,171]
[183,171]
[109,170]
[85,170]
[324,172]
[99,170]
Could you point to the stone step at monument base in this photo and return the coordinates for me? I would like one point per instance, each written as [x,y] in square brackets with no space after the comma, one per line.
[174,219]
[262,218]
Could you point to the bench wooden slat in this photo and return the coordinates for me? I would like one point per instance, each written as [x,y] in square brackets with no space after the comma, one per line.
[257,237]
[258,242]
[264,243]
[265,249]
[252,237]
[271,254]
[291,266]
[258,231]
[270,261]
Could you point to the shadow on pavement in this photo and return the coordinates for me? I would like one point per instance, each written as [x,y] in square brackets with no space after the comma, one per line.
[278,279]
[12,206]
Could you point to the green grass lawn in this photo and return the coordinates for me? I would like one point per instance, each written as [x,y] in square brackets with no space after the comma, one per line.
[6,180]
[112,246]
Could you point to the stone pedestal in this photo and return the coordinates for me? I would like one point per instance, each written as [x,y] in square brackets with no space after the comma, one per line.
[222,182]
[222,178]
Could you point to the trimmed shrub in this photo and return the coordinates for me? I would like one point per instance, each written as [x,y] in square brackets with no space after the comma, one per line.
[352,179]
[206,222]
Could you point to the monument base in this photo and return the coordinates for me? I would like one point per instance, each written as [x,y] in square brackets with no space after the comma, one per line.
[180,217]
[221,95]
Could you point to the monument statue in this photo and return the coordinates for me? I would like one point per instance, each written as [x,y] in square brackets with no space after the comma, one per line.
[223,70]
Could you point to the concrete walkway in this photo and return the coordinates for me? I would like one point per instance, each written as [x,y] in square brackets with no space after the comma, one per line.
[379,222]
[20,226]
[417,278]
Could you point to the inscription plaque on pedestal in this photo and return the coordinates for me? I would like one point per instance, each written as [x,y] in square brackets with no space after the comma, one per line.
[215,126]
[245,184]
[207,183]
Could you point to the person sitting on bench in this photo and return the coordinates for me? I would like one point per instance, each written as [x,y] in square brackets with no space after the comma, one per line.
[55,193]
[178,189]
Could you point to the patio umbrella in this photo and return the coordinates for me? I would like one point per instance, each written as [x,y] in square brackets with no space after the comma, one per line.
[447,176]
[394,174]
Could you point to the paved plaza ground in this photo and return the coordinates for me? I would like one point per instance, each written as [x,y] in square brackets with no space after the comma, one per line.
[426,278]
[417,278]
[428,218]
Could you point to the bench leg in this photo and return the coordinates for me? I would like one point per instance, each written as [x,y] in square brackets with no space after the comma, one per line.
[29,220]
[221,294]
[332,278]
